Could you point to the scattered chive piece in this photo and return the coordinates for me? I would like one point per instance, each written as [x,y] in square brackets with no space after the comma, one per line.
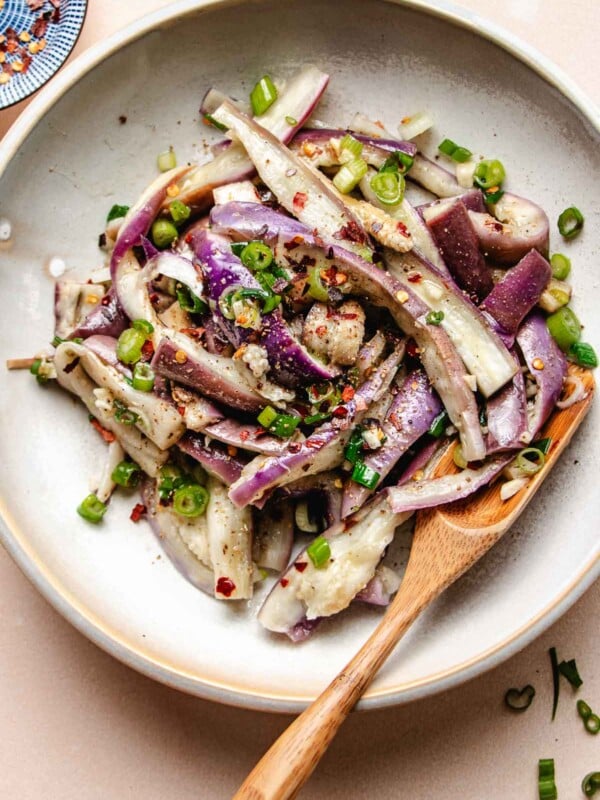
[454,151]
[365,475]
[447,147]
[592,724]
[555,679]
[256,256]
[583,709]
[263,95]
[143,377]
[35,367]
[561,266]
[389,187]
[546,784]
[215,123]
[489,174]
[349,175]
[189,301]
[179,211]
[166,160]
[117,212]
[56,341]
[520,699]
[282,425]
[564,327]
[530,460]
[354,446]
[143,325]
[590,784]
[129,345]
[570,222]
[237,248]
[164,233]
[570,672]
[124,415]
[319,551]
[291,120]
[434,317]
[266,417]
[543,445]
[92,509]
[126,473]
[492,197]
[439,425]
[351,145]
[461,154]
[316,288]
[583,354]
[313,419]
[190,501]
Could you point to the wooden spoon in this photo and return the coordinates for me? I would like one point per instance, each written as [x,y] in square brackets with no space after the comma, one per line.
[447,541]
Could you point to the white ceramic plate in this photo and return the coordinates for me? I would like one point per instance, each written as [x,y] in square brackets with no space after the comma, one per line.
[68,160]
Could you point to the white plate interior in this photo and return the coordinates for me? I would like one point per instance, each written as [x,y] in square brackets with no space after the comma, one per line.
[387,61]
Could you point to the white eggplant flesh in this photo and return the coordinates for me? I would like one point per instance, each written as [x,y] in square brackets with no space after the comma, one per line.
[106,486]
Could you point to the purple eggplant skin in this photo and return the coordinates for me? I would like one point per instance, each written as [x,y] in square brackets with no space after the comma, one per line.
[174,547]
[506,414]
[105,347]
[411,414]
[422,458]
[246,437]
[427,493]
[314,143]
[208,374]
[472,200]
[517,292]
[107,319]
[215,459]
[457,242]
[246,221]
[324,484]
[547,364]
[518,225]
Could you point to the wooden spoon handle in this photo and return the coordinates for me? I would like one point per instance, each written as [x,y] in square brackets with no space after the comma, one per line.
[289,762]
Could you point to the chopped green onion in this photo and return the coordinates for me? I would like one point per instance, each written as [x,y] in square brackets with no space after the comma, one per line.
[405,161]
[124,415]
[590,784]
[56,341]
[351,146]
[530,461]
[189,301]
[117,212]
[571,673]
[319,552]
[546,784]
[349,175]
[190,501]
[561,266]
[439,425]
[559,296]
[266,417]
[519,699]
[129,346]
[237,248]
[316,288]
[592,724]
[271,303]
[555,679]
[126,473]
[164,233]
[564,328]
[143,325]
[434,318]
[215,123]
[489,174]
[313,419]
[583,709]
[35,367]
[179,211]
[570,222]
[388,187]
[583,354]
[492,197]
[166,160]
[458,457]
[92,509]
[354,447]
[456,153]
[143,377]
[543,445]
[263,95]
[285,425]
[365,475]
[256,256]
[291,120]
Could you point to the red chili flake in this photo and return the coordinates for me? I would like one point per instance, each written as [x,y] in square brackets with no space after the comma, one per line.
[347,316]
[108,436]
[105,300]
[415,277]
[321,330]
[347,394]
[137,512]
[148,349]
[314,443]
[39,27]
[154,298]
[412,349]
[225,586]
[284,582]
[340,411]
[195,333]
[181,410]
[301,565]
[188,238]
[352,232]
[244,435]
[294,447]
[11,35]
[55,15]
[300,199]
[402,229]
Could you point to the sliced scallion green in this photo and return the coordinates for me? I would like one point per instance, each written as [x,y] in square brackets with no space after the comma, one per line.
[354,447]
[212,121]
[561,266]
[388,187]
[117,212]
[263,95]
[592,724]
[439,425]
[189,301]
[256,256]
[319,552]
[546,783]
[143,377]
[124,415]
[291,120]
[583,354]
[126,473]
[454,151]
[543,445]
[350,147]
[570,222]
[434,318]
[555,679]
[365,475]
[129,345]
[191,500]
[167,160]
[489,174]
[564,327]
[179,211]
[164,233]
[519,699]
[143,325]
[316,288]
[529,461]
[92,509]
[590,784]
[569,670]
[349,175]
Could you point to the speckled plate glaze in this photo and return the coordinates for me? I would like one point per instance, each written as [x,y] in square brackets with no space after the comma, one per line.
[68,159]
[59,39]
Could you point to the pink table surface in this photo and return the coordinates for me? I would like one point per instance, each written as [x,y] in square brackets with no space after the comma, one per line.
[77,725]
